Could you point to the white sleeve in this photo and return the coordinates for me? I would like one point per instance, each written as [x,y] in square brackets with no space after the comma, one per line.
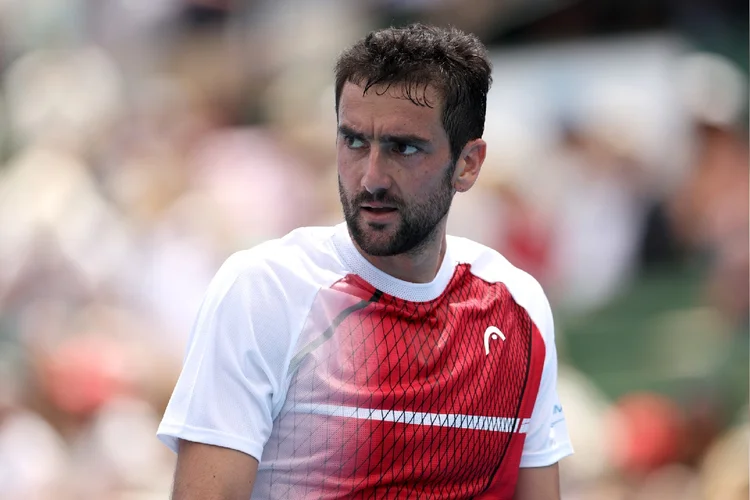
[235,363]
[547,440]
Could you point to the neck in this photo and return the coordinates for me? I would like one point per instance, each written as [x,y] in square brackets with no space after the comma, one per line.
[418,267]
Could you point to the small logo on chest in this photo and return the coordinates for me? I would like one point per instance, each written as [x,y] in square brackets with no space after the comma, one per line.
[492,333]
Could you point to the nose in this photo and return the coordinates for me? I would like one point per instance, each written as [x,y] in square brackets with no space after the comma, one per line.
[376,178]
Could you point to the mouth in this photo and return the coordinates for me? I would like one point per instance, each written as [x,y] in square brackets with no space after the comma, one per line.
[378,209]
[377,214]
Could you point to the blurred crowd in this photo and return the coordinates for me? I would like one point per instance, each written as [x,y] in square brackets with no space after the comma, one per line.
[143,142]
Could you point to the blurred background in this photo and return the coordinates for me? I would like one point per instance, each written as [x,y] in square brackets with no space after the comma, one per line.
[144,141]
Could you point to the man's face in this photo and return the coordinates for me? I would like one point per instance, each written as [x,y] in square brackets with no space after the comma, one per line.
[395,169]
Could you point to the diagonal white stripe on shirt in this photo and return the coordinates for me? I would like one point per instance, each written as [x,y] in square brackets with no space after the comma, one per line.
[453,420]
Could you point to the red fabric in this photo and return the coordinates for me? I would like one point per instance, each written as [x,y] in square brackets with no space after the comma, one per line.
[396,356]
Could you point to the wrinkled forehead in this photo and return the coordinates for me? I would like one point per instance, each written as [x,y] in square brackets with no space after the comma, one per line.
[417,91]
[394,109]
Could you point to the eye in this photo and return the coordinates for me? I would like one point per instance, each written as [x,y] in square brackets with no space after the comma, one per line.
[405,149]
[353,142]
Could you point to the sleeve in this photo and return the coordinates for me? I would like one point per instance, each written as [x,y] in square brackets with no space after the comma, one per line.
[235,363]
[547,440]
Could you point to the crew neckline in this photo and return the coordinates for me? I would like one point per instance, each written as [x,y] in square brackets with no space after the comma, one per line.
[406,290]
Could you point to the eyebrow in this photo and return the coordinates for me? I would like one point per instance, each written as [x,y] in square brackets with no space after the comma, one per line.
[390,138]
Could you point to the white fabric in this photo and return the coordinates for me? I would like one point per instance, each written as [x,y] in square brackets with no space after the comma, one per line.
[235,374]
[451,420]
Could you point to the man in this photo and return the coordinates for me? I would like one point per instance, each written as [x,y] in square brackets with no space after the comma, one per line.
[379,358]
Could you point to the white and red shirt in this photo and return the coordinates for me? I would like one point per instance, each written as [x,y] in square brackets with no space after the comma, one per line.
[345,382]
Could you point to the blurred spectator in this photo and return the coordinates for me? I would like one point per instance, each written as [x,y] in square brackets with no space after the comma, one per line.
[33,457]
[600,213]
[712,215]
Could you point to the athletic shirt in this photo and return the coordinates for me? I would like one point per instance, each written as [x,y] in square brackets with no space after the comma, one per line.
[345,382]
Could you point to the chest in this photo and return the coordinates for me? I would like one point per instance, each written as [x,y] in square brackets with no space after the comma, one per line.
[387,392]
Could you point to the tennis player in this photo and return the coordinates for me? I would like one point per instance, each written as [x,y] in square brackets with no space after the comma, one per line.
[379,358]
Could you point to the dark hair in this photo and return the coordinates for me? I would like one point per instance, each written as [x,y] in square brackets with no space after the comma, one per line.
[417,56]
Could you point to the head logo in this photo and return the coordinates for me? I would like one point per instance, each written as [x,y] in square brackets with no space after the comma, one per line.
[491,333]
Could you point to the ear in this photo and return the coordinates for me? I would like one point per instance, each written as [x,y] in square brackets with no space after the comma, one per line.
[469,164]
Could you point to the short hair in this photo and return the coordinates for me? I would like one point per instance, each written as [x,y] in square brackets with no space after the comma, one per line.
[417,56]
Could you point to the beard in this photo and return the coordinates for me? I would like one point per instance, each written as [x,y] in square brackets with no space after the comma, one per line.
[416,227]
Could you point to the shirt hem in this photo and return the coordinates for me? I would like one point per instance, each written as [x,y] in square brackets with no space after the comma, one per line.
[169,434]
[547,458]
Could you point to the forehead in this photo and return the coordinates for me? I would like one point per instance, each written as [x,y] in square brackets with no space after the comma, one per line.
[387,109]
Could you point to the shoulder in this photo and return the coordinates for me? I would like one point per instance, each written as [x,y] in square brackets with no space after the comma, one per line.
[266,292]
[303,257]
[278,278]
[489,265]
